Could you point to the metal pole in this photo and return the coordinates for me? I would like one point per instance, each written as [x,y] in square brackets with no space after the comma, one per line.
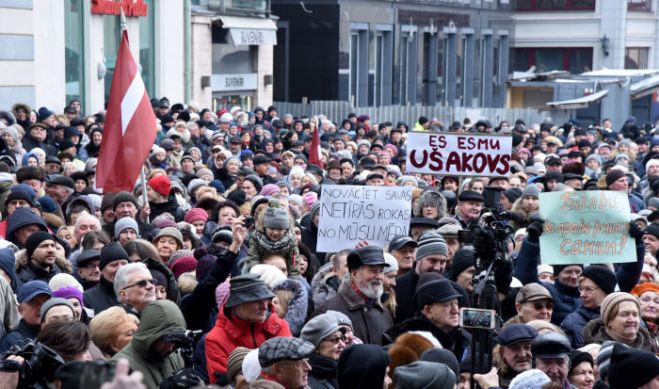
[144,198]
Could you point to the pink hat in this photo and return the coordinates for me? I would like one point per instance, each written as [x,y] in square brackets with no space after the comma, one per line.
[183,265]
[392,148]
[196,214]
[270,189]
[310,198]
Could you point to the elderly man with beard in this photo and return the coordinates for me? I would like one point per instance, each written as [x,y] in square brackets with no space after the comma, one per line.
[513,354]
[359,296]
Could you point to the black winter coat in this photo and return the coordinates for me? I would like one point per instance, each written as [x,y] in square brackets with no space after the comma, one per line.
[101,296]
[323,372]
[575,322]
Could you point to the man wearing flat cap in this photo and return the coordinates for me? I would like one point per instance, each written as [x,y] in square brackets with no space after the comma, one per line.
[468,210]
[551,353]
[284,360]
[247,319]
[359,296]
[513,353]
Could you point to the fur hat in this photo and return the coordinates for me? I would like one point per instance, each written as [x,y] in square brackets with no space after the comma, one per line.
[407,348]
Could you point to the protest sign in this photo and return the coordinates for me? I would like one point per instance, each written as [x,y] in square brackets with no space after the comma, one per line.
[350,214]
[458,154]
[586,227]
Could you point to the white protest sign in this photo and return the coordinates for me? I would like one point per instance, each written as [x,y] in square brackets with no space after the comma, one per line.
[458,154]
[350,214]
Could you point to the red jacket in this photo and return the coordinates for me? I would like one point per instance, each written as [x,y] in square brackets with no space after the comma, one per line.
[229,333]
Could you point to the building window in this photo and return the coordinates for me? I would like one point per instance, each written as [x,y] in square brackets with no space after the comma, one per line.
[639,5]
[636,57]
[111,39]
[354,65]
[74,55]
[147,49]
[555,5]
[575,60]
[376,68]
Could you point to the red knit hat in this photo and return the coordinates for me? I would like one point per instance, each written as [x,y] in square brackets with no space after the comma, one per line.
[183,265]
[196,214]
[161,184]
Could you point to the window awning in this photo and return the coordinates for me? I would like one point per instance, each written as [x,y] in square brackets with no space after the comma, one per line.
[581,102]
[644,87]
[250,31]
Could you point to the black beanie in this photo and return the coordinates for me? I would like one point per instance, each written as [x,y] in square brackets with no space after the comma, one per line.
[652,229]
[159,277]
[462,260]
[35,240]
[614,175]
[631,368]
[602,276]
[579,356]
[559,268]
[111,252]
[122,197]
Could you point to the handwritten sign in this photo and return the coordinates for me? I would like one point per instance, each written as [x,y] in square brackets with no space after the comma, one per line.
[350,214]
[586,227]
[458,154]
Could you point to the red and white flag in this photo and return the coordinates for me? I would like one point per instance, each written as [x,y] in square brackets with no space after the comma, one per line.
[314,150]
[130,126]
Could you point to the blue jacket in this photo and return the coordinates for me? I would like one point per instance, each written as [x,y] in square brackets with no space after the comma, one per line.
[575,322]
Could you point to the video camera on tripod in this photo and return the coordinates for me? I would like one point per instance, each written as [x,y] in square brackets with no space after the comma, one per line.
[185,340]
[38,369]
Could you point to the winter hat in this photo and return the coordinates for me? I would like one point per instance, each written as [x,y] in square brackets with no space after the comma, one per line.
[631,368]
[196,214]
[462,260]
[614,175]
[422,375]
[195,184]
[392,263]
[610,301]
[222,235]
[159,277]
[559,268]
[122,197]
[64,280]
[602,276]
[444,356]
[319,328]
[430,243]
[111,252]
[172,232]
[531,190]
[276,217]
[315,209]
[108,201]
[530,379]
[604,358]
[512,194]
[310,198]
[183,265]
[53,302]
[125,223]
[438,291]
[639,289]
[256,181]
[270,189]
[161,184]
[247,288]
[35,240]
[235,362]
[652,229]
[269,274]
[21,192]
[578,357]
[68,292]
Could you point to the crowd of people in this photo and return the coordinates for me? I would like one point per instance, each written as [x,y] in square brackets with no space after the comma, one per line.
[213,277]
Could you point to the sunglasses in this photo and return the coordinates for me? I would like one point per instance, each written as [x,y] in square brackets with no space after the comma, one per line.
[538,305]
[141,284]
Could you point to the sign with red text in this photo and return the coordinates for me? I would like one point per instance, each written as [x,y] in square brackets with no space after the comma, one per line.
[586,227]
[113,7]
[350,214]
[458,154]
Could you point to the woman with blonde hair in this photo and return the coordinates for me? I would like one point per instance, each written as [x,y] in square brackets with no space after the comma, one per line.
[112,329]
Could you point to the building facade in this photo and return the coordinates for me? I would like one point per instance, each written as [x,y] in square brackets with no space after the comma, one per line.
[59,50]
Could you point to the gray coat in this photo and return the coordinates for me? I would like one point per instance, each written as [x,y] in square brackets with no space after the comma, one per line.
[368,323]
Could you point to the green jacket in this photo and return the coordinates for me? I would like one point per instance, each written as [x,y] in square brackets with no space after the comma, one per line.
[158,318]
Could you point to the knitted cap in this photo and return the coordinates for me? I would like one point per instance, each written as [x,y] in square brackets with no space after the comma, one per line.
[235,362]
[172,232]
[424,375]
[531,190]
[196,214]
[392,263]
[462,260]
[631,368]
[614,175]
[111,252]
[602,276]
[119,198]
[431,243]
[64,280]
[604,358]
[276,217]
[610,301]
[530,379]
[183,265]
[35,240]
[125,223]
[69,292]
[161,184]
[53,302]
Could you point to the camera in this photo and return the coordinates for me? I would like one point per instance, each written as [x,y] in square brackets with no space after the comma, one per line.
[181,338]
[477,318]
[41,363]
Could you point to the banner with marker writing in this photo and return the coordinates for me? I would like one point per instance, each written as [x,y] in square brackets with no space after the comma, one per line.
[350,214]
[458,154]
[585,228]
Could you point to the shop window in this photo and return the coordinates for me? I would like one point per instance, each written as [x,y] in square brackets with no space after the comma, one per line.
[147,49]
[639,5]
[555,5]
[636,57]
[575,60]
[74,54]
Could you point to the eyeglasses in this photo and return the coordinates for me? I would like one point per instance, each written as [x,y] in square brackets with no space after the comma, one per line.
[141,284]
[587,290]
[538,305]
[90,265]
[336,339]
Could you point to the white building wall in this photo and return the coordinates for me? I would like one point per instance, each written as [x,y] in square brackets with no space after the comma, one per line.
[264,68]
[202,59]
[169,27]
[49,63]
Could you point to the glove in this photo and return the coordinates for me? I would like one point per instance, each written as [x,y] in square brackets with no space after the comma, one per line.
[534,230]
[635,231]
[503,276]
[182,379]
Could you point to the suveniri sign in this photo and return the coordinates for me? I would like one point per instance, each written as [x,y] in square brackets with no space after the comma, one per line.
[113,7]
